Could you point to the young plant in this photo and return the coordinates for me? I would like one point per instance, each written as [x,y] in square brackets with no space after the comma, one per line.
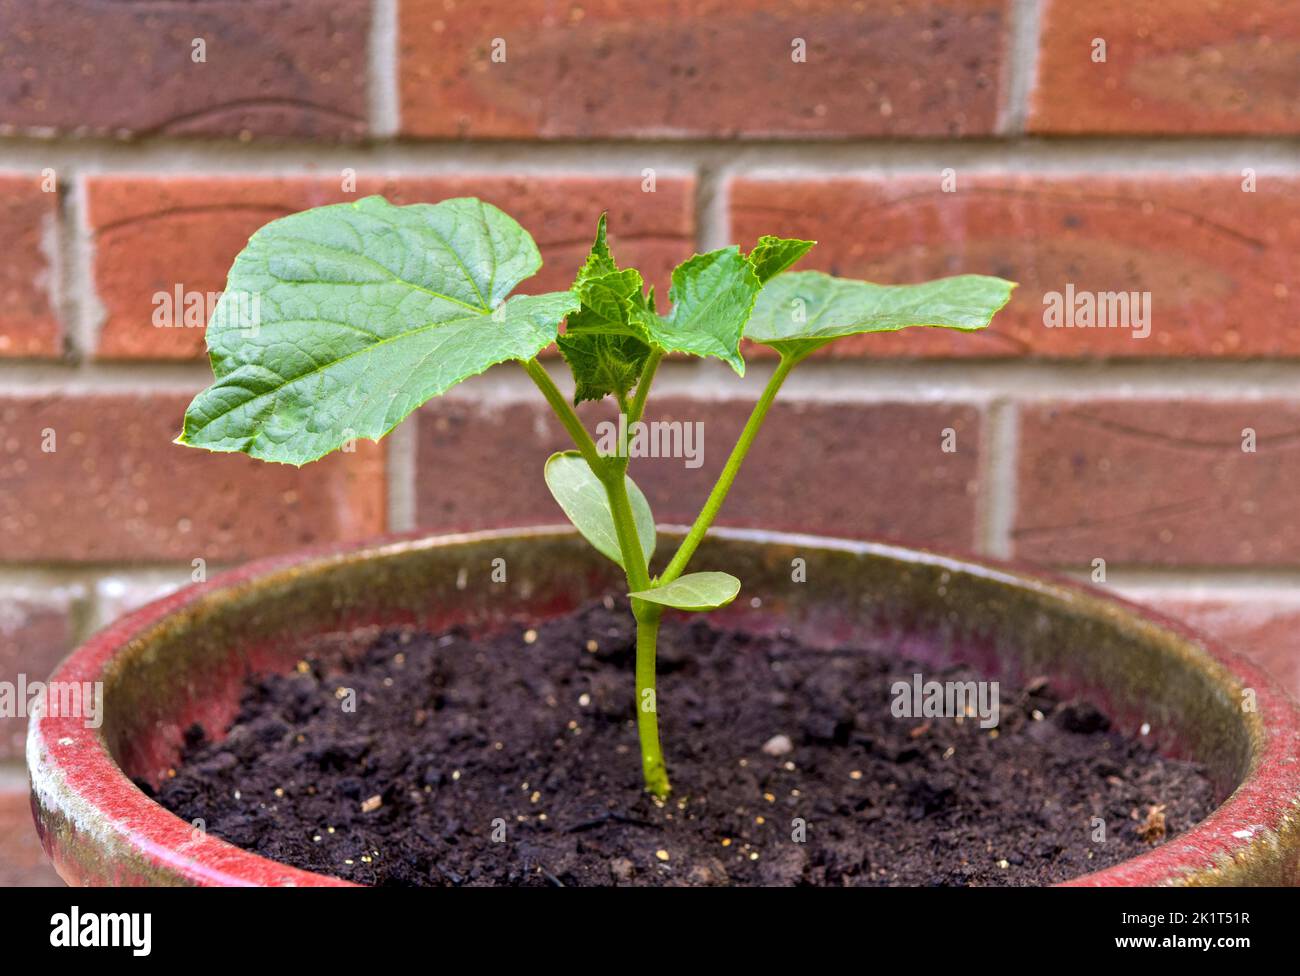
[366,310]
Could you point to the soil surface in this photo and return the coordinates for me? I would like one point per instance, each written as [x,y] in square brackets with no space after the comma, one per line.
[512,760]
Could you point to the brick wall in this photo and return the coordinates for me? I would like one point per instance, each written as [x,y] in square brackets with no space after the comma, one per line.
[1109,146]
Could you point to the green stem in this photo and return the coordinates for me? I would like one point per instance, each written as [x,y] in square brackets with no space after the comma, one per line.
[629,543]
[647,631]
[653,769]
[729,471]
[647,615]
[643,385]
[560,404]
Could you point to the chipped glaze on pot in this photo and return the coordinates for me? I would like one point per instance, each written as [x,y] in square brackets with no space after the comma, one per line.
[184,658]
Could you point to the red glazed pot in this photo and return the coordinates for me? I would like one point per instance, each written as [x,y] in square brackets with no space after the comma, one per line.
[183,659]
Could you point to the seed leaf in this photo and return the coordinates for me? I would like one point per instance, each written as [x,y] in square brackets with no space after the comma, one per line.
[694,591]
[582,496]
[365,310]
[803,310]
[772,255]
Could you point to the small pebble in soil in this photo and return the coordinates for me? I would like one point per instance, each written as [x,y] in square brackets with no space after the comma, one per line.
[778,745]
[787,764]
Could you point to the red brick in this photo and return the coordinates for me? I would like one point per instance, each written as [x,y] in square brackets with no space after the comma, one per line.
[152,234]
[712,68]
[22,862]
[294,70]
[29,326]
[1159,482]
[36,631]
[841,469]
[1219,262]
[117,488]
[1175,67]
[1262,628]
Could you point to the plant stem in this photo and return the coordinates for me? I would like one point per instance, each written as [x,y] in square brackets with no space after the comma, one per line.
[611,473]
[729,471]
[643,385]
[653,769]
[613,477]
[647,630]
[560,404]
[629,543]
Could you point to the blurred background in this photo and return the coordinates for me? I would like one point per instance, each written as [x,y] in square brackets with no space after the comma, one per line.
[1088,151]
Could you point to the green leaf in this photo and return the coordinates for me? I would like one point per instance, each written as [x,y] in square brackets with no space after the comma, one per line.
[603,364]
[604,343]
[582,496]
[364,311]
[694,591]
[712,295]
[607,301]
[803,310]
[772,255]
[604,347]
[600,261]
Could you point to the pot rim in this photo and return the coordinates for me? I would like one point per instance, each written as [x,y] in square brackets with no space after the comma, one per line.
[90,790]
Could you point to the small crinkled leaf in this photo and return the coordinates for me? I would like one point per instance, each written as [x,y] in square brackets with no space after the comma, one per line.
[607,301]
[604,344]
[580,493]
[361,312]
[802,310]
[599,261]
[603,364]
[772,255]
[712,295]
[694,591]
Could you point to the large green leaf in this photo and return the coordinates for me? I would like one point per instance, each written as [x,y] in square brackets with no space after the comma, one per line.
[802,310]
[712,295]
[583,498]
[364,311]
[694,591]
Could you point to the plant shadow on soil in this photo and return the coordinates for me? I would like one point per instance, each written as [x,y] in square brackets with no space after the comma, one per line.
[512,760]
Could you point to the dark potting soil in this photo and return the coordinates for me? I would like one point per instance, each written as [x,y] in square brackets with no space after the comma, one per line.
[513,760]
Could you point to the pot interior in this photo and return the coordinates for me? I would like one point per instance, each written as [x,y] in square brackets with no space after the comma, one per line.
[191,666]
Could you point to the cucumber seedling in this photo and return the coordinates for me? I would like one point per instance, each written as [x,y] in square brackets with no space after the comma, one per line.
[366,310]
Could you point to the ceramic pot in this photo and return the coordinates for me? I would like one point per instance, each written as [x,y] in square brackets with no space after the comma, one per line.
[182,659]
